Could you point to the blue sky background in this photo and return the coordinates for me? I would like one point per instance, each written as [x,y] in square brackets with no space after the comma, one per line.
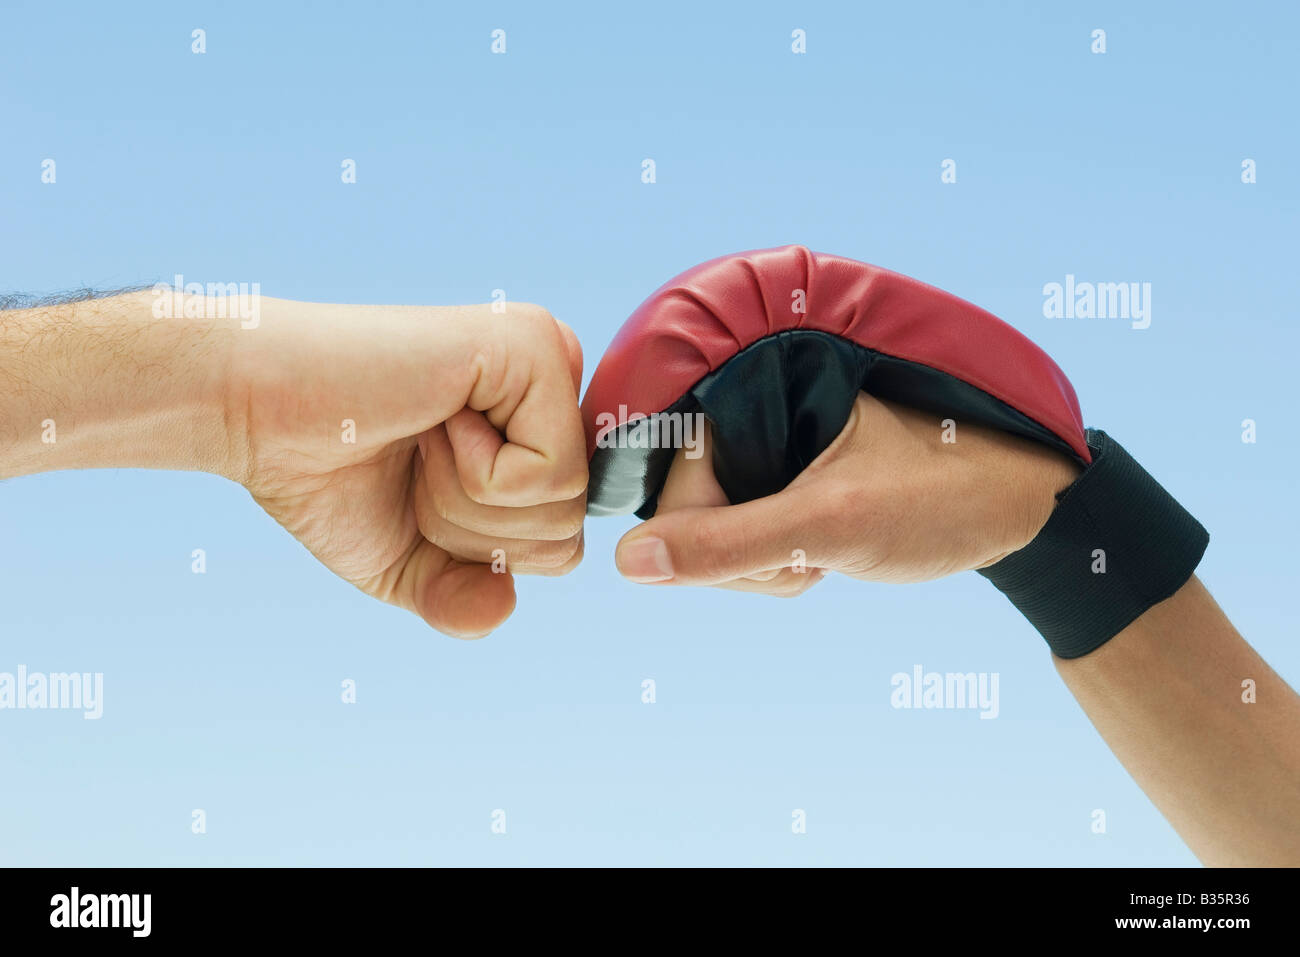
[522,172]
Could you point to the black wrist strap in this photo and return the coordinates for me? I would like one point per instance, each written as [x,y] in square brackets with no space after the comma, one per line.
[1116,544]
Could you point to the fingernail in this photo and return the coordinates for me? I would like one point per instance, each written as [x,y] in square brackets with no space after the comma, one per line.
[644,560]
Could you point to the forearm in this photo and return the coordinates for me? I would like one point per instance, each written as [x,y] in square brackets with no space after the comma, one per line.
[103,383]
[1222,765]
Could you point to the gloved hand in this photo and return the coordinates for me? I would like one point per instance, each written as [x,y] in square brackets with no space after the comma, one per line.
[966,457]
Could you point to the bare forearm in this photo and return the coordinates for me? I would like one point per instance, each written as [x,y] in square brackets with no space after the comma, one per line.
[1206,728]
[103,383]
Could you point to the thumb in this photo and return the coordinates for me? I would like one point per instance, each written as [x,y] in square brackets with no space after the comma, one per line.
[708,546]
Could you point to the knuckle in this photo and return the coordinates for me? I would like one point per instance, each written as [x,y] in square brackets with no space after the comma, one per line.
[429,514]
[559,558]
[574,555]
[570,525]
[556,521]
[482,490]
[840,498]
[426,519]
[532,313]
[576,545]
[476,490]
[489,363]
[570,484]
[436,502]
[553,554]
[844,512]
[434,529]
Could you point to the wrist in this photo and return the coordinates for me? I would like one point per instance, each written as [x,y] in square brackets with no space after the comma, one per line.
[126,381]
[1116,544]
[172,405]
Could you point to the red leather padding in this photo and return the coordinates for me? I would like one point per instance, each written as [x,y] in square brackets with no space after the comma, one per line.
[694,323]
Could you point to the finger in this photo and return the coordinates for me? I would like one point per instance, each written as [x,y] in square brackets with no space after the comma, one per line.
[691,482]
[518,555]
[785,584]
[574,349]
[521,440]
[440,495]
[458,599]
[708,546]
[556,570]
[697,537]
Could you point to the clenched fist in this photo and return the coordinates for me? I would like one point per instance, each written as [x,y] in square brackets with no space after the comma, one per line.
[423,454]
